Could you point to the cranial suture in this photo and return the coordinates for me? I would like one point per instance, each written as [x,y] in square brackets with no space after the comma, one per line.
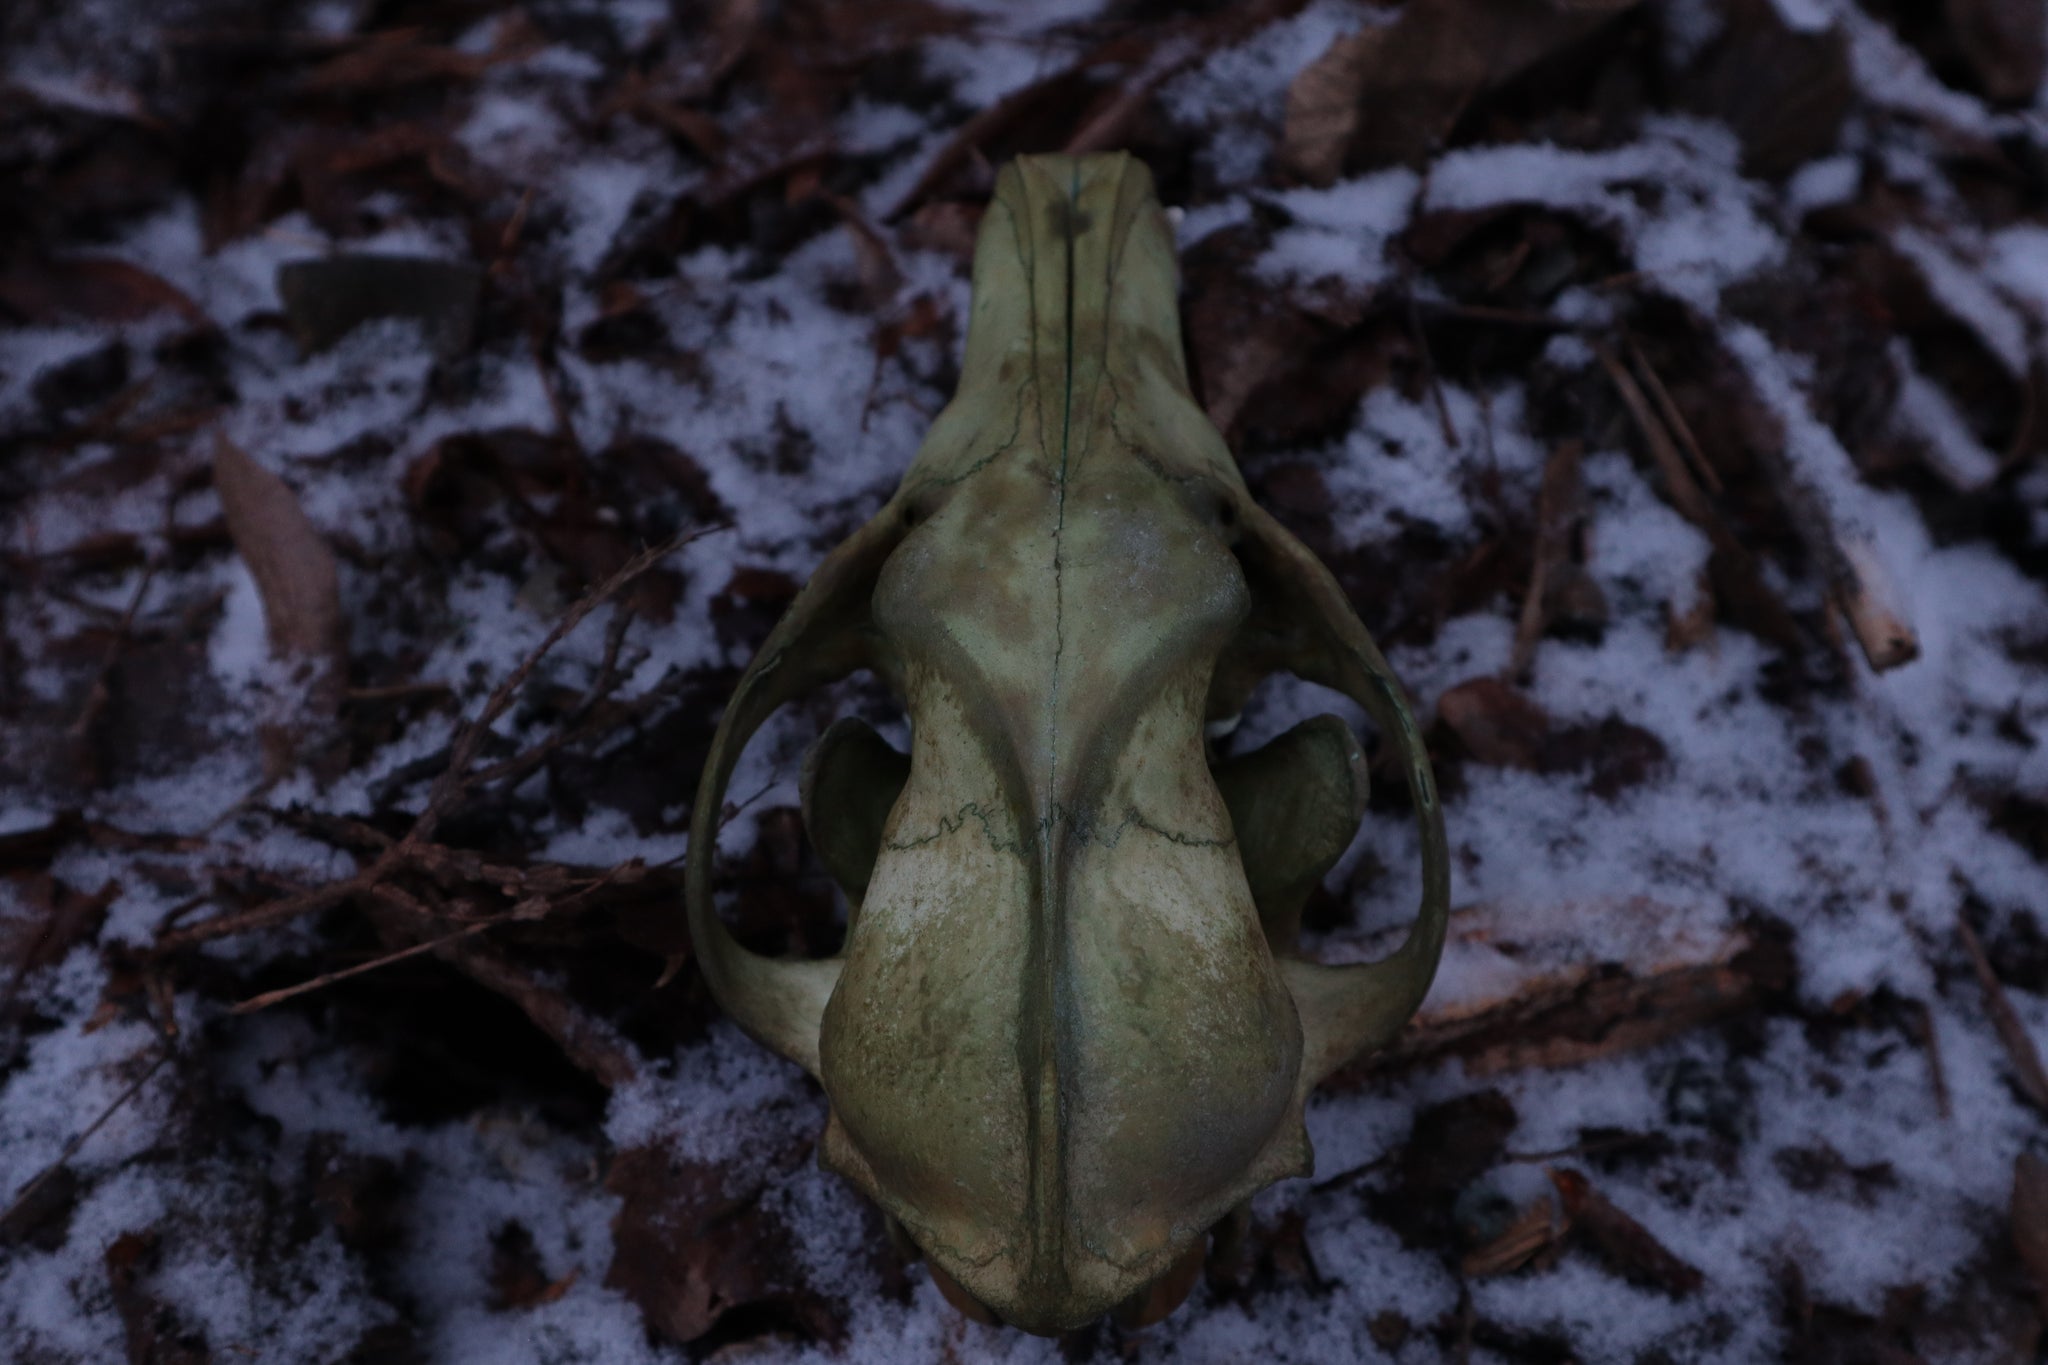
[1069,1033]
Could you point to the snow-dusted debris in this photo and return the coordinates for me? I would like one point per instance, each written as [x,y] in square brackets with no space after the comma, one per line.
[1705,1010]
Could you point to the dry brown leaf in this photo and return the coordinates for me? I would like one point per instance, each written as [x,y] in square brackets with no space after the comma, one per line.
[1324,102]
[1390,94]
[94,288]
[299,585]
[156,1333]
[691,1240]
[1783,91]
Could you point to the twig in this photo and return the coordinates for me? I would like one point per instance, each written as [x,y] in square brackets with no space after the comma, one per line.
[272,912]
[1511,317]
[1429,374]
[96,696]
[454,778]
[1674,419]
[284,993]
[1684,492]
[587,1042]
[397,691]
[628,870]
[43,1177]
[2005,1021]
[1556,509]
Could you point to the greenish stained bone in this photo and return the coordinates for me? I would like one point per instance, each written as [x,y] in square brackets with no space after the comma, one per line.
[1068,1035]
[851,779]
[1294,804]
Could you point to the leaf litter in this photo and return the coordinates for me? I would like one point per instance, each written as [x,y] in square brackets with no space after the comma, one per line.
[1661,378]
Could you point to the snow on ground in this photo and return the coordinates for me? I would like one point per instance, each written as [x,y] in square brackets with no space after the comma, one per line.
[1747,813]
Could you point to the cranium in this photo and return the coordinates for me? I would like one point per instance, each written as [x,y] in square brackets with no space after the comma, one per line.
[1069,1033]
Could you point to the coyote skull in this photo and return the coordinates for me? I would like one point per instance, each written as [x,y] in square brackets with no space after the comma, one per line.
[1069,1033]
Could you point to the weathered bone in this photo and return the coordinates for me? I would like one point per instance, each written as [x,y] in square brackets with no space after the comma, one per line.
[1067,1036]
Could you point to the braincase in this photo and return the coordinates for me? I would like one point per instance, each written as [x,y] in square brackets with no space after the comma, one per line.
[1113,576]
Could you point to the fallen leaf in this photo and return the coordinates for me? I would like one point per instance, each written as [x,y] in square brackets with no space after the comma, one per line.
[1784,91]
[299,585]
[1390,95]
[518,1279]
[1504,1232]
[92,288]
[1324,102]
[62,917]
[363,1196]
[690,1242]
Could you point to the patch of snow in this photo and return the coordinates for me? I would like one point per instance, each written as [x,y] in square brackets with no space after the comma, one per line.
[1342,231]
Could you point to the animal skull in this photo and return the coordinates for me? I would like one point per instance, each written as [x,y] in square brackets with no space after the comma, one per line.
[1069,1034]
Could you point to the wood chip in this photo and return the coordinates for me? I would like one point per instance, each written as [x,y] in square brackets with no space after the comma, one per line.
[1628,1247]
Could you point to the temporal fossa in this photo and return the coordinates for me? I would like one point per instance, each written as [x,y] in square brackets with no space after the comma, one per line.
[1069,1033]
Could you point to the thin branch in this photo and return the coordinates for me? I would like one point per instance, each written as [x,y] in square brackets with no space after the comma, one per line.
[1429,374]
[2005,1021]
[1683,490]
[454,778]
[449,787]
[71,1148]
[284,993]
[96,696]
[1674,419]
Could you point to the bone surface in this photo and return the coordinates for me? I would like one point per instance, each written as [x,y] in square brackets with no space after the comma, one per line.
[1068,1035]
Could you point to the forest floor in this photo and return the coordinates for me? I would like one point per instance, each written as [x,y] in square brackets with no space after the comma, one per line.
[1663,379]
